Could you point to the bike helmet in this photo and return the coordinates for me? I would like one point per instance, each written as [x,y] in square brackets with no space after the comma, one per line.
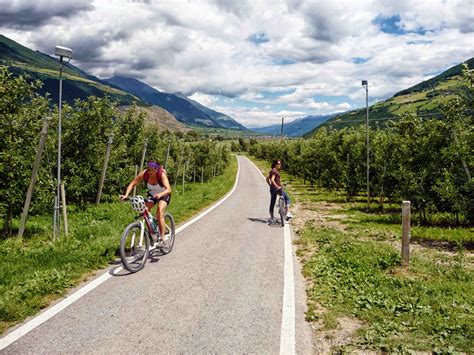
[138,204]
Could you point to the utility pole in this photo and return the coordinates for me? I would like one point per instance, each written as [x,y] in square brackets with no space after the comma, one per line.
[282,123]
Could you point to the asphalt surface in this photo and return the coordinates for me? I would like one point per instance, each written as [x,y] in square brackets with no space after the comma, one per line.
[219,291]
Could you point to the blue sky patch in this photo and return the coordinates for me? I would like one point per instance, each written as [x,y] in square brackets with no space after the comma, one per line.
[258,38]
[359,60]
[275,94]
[419,42]
[283,61]
[389,24]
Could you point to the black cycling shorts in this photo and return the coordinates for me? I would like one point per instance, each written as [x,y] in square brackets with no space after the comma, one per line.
[166,198]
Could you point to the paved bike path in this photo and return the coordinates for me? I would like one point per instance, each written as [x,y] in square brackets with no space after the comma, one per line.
[220,290]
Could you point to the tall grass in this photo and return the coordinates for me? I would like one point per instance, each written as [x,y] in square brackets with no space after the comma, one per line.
[34,270]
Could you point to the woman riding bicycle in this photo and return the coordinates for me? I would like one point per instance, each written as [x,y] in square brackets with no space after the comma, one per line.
[159,190]
[273,180]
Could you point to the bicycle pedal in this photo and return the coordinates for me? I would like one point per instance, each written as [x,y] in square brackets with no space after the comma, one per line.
[160,243]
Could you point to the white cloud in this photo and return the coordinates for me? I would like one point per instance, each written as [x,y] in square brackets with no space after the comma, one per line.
[202,48]
[203,99]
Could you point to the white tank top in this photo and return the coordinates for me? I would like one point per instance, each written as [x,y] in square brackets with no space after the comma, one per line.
[155,189]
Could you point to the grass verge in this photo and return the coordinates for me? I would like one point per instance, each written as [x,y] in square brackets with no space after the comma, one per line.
[351,260]
[34,271]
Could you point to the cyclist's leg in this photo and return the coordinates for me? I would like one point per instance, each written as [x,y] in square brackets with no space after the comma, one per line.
[273,196]
[160,213]
[287,202]
[287,198]
[150,201]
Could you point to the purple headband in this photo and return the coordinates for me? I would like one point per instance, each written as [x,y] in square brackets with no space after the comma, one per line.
[153,165]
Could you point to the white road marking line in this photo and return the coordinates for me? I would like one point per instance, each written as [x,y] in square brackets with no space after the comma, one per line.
[287,338]
[51,312]
[287,335]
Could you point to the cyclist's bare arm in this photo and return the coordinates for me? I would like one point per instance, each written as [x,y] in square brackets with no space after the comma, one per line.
[166,185]
[138,179]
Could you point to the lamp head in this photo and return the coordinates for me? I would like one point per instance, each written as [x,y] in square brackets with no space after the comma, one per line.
[364,83]
[63,52]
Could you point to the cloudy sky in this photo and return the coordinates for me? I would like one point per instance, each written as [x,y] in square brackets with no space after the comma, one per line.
[256,61]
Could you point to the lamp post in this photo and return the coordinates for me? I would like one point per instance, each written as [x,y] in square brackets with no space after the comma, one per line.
[365,84]
[63,53]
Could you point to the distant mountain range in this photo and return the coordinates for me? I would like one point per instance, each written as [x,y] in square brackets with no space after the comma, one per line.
[80,85]
[180,106]
[296,128]
[425,99]
[222,119]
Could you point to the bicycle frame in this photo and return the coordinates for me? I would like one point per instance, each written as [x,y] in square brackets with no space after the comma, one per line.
[145,220]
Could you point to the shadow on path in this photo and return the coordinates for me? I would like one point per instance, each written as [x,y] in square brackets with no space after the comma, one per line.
[265,221]
[259,220]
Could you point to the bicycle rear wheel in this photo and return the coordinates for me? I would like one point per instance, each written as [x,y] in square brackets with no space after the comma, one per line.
[134,247]
[282,210]
[169,233]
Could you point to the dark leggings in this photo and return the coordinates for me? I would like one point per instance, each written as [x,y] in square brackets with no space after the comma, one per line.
[273,197]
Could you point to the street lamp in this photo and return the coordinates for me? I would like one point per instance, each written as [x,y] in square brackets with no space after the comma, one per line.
[365,84]
[63,53]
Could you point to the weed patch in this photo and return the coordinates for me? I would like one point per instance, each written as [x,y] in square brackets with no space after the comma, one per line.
[424,309]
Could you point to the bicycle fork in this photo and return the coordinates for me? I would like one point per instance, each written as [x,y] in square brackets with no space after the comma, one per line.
[142,234]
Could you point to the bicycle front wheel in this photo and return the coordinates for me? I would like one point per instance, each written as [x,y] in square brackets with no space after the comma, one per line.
[134,247]
[169,234]
[282,211]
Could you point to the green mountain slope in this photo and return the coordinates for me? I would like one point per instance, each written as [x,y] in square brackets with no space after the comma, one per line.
[425,99]
[222,119]
[77,84]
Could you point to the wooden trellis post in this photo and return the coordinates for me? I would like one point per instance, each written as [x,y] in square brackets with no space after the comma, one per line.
[177,170]
[406,205]
[104,169]
[167,153]
[135,187]
[63,200]
[34,174]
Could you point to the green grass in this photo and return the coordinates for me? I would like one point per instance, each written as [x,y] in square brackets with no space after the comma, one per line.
[356,272]
[34,270]
[428,307]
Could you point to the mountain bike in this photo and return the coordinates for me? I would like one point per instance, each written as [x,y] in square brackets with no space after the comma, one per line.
[141,237]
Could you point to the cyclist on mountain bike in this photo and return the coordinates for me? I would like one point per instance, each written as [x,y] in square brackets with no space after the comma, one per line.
[159,190]
[273,180]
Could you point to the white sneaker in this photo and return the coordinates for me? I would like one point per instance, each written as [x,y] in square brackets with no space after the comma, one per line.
[166,237]
[271,221]
[289,215]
